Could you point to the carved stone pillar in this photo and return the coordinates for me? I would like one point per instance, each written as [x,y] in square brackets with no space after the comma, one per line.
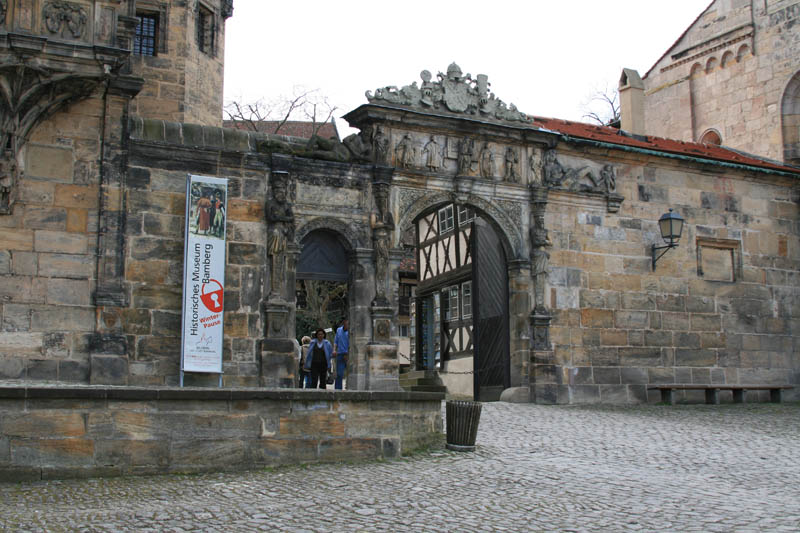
[279,361]
[382,367]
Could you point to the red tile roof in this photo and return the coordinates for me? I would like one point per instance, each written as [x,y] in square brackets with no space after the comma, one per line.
[611,135]
[292,128]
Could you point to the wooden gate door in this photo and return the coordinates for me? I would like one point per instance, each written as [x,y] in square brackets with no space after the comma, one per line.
[490,313]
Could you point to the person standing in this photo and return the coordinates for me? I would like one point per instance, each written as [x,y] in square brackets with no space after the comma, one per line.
[318,360]
[341,347]
[304,377]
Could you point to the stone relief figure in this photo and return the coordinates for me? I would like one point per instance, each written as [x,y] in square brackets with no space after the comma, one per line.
[512,166]
[433,155]
[487,162]
[556,175]
[381,142]
[404,152]
[466,147]
[535,163]
[360,145]
[539,259]
[280,218]
[382,224]
[65,18]
[8,181]
[608,178]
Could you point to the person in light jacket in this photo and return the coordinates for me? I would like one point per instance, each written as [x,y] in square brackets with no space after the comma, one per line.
[318,360]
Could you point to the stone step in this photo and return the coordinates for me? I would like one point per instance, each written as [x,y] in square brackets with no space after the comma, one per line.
[428,388]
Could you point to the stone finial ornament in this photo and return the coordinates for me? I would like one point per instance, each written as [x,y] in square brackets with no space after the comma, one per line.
[453,92]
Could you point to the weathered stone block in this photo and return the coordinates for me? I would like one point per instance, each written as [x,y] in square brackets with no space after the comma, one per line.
[278,451]
[675,321]
[153,248]
[62,318]
[609,375]
[585,394]
[631,319]
[12,368]
[705,322]
[689,357]
[629,375]
[73,371]
[158,297]
[661,375]
[59,242]
[245,254]
[24,263]
[604,356]
[639,357]
[68,292]
[16,239]
[614,394]
[657,338]
[108,370]
[66,265]
[349,449]
[597,318]
[42,369]
[641,301]
[686,340]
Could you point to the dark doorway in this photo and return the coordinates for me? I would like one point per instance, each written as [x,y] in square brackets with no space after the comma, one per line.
[321,287]
[490,286]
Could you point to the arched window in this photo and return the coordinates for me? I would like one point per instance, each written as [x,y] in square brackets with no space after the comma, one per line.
[790,121]
[711,64]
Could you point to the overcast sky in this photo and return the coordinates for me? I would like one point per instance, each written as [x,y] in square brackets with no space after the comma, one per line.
[545,57]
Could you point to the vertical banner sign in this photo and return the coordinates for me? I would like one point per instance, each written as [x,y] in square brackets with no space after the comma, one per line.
[204,274]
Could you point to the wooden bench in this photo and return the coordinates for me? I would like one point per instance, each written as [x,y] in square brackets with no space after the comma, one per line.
[712,391]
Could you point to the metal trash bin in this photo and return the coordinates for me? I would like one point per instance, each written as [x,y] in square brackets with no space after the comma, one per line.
[462,425]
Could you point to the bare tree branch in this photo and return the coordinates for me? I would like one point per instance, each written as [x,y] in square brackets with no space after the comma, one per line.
[602,106]
[256,115]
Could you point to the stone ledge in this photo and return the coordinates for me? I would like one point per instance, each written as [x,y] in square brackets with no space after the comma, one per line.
[73,392]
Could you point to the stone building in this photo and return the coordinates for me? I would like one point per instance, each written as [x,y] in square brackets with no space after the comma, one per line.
[732,78]
[543,227]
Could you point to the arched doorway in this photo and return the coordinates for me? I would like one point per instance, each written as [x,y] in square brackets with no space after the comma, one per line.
[321,283]
[461,308]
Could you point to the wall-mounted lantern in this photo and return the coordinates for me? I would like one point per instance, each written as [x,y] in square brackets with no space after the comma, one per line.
[671,226]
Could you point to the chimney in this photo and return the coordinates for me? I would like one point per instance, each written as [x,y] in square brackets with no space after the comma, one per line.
[631,102]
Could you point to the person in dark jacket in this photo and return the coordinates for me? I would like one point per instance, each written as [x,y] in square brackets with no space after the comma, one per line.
[318,360]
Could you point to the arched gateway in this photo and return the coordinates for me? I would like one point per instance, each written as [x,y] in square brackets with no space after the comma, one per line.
[454,165]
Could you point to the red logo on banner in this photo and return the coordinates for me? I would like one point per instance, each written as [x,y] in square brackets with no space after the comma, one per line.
[212,300]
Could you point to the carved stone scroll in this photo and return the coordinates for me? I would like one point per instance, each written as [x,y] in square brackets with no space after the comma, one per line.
[453,92]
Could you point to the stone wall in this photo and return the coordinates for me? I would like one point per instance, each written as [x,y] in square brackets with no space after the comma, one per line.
[50,433]
[48,246]
[723,307]
[728,73]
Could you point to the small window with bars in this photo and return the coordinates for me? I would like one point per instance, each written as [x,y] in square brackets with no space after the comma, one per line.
[205,30]
[145,41]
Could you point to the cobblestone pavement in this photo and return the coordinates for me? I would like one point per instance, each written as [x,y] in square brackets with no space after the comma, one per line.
[565,468]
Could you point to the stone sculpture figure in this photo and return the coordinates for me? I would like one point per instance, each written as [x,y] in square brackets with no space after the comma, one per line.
[280,217]
[466,147]
[360,144]
[535,163]
[608,178]
[539,259]
[404,152]
[8,181]
[382,224]
[487,162]
[512,166]
[381,147]
[433,154]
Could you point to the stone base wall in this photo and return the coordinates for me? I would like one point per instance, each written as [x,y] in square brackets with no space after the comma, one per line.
[50,432]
